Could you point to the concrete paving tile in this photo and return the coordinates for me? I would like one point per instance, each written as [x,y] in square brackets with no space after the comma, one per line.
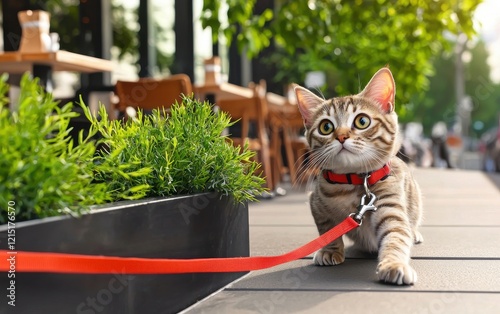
[481,209]
[462,216]
[463,192]
[276,239]
[459,242]
[436,215]
[480,202]
[439,242]
[352,302]
[444,178]
[293,213]
[444,189]
[291,198]
[359,274]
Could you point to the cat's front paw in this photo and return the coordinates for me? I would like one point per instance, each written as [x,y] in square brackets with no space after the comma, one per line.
[328,258]
[396,272]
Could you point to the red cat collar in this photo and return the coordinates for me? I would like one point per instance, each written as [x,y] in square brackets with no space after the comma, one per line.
[357,179]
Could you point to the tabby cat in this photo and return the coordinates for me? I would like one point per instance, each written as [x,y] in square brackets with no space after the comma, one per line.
[351,137]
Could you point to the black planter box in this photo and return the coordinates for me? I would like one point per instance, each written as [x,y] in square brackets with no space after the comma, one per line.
[198,226]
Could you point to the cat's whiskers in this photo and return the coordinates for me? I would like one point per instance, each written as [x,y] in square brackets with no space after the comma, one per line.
[371,160]
[317,158]
[308,163]
[369,156]
[321,158]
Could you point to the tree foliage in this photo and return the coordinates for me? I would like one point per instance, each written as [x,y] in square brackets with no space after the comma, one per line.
[350,38]
[438,103]
[484,93]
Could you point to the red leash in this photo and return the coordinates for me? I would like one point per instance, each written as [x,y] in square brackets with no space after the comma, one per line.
[90,264]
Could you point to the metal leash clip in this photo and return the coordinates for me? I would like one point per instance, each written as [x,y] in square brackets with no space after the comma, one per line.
[363,206]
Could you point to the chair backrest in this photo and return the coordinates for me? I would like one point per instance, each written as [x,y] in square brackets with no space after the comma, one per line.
[294,118]
[150,93]
[247,111]
[250,111]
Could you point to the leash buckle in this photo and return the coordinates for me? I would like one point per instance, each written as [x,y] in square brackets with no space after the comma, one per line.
[364,207]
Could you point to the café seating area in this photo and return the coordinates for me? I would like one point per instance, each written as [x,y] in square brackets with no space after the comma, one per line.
[268,123]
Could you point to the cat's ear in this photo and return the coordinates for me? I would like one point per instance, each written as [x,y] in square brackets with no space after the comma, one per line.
[381,89]
[307,102]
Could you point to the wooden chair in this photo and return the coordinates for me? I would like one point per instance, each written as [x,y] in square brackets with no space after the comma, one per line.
[249,112]
[286,124]
[276,125]
[273,124]
[149,93]
[295,144]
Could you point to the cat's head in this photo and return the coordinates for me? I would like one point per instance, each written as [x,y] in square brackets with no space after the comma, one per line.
[352,134]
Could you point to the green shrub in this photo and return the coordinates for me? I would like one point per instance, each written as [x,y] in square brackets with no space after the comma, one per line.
[41,169]
[183,154]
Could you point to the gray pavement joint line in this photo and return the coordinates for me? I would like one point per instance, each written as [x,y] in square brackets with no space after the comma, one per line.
[358,290]
[444,258]
[460,226]
[426,226]
[205,299]
[425,258]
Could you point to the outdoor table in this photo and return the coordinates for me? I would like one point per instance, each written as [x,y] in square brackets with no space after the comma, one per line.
[275,99]
[41,64]
[232,91]
[222,91]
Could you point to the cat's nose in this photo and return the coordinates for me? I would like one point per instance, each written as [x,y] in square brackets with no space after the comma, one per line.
[342,137]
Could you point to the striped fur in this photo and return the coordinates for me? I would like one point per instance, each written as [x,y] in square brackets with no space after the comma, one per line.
[392,230]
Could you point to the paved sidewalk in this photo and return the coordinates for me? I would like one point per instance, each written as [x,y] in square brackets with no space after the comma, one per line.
[458,264]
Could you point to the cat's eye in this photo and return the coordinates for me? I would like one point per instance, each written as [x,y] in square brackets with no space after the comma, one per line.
[326,127]
[362,122]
